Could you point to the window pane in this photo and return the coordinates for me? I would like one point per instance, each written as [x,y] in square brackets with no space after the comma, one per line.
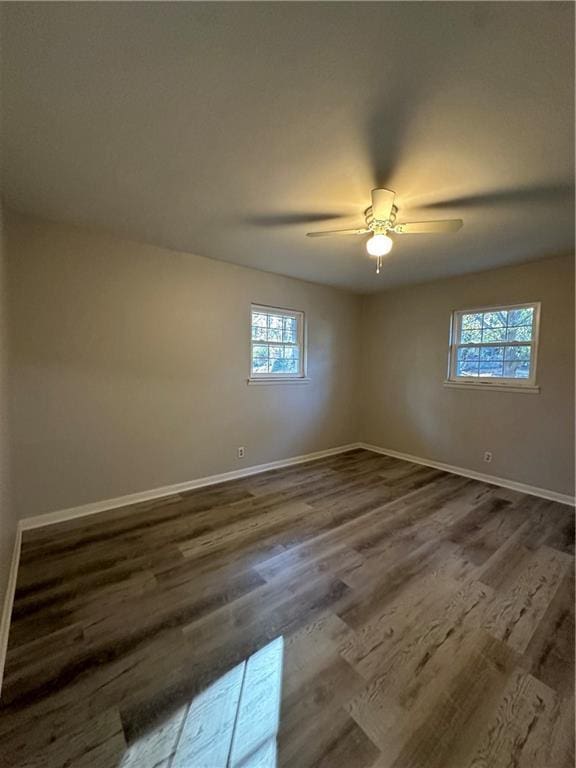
[518,369]
[471,337]
[274,334]
[468,353]
[259,350]
[275,352]
[517,353]
[521,316]
[260,365]
[519,333]
[258,318]
[493,334]
[495,319]
[259,333]
[491,369]
[285,366]
[473,320]
[491,354]
[289,332]
[467,368]
[275,321]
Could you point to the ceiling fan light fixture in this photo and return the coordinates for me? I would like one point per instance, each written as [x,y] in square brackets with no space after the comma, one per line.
[380,219]
[379,245]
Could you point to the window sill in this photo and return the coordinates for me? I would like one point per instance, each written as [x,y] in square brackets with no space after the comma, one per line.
[525,390]
[279,380]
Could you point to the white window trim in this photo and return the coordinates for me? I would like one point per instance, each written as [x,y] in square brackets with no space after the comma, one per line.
[281,378]
[527,386]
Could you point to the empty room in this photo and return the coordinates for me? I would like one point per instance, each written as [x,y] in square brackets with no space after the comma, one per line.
[287,362]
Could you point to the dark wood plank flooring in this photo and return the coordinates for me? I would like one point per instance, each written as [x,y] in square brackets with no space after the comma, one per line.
[427,622]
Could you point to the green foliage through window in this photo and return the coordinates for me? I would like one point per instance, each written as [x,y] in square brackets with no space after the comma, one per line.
[276,342]
[494,343]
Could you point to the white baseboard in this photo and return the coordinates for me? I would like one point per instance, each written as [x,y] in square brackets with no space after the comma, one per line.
[9,602]
[59,516]
[71,513]
[543,493]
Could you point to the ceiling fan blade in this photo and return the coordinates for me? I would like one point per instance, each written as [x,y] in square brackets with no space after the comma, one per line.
[382,202]
[428,227]
[520,195]
[287,219]
[388,130]
[337,232]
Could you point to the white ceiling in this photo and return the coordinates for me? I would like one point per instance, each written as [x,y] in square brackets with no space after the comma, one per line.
[210,127]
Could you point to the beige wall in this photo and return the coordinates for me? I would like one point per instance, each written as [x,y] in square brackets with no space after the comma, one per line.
[7,514]
[129,367]
[406,407]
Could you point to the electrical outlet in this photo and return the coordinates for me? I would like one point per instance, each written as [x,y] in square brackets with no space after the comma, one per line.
[241,452]
[488,456]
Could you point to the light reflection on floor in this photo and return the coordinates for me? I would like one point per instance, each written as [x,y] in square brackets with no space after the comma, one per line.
[232,724]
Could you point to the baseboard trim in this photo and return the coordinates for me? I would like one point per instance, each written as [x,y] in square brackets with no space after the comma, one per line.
[512,485]
[62,515]
[9,602]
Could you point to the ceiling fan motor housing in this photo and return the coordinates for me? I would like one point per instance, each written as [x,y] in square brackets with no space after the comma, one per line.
[378,226]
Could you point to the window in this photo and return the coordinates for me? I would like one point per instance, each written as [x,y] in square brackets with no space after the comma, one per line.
[277,343]
[495,345]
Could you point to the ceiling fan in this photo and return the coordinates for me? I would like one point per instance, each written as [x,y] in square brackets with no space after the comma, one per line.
[380,220]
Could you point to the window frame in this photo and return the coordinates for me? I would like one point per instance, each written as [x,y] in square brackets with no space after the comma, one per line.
[283,377]
[487,382]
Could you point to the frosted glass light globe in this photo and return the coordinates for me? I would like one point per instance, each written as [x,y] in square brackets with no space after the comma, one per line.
[379,245]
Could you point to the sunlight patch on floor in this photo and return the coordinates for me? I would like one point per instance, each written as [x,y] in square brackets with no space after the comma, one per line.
[232,724]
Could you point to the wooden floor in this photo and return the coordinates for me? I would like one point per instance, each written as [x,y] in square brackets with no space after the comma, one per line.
[419,620]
